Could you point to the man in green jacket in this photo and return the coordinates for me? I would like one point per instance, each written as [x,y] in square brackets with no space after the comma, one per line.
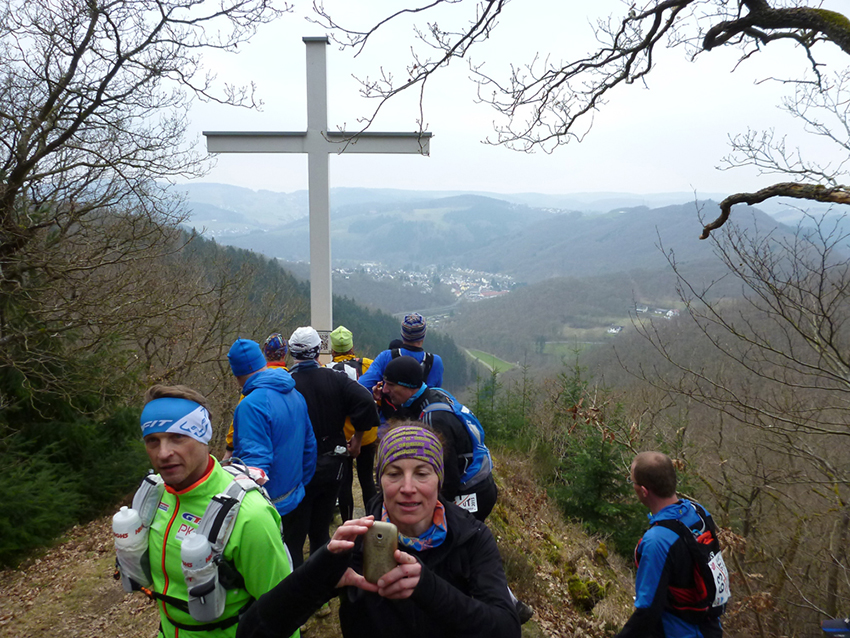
[177,430]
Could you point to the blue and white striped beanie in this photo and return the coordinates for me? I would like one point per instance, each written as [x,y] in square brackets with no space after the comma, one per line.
[177,416]
[413,327]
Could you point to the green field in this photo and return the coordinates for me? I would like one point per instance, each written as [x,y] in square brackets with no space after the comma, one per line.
[490,361]
[566,349]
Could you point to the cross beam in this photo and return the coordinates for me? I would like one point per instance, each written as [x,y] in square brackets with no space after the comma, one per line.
[318,142]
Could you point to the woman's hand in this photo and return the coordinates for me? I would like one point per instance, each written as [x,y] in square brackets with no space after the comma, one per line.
[400,582]
[352,579]
[343,538]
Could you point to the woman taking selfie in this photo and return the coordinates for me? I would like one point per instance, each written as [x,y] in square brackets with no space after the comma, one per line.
[448,578]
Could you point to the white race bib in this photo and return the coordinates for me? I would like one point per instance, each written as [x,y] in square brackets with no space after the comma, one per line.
[721,579]
[469,502]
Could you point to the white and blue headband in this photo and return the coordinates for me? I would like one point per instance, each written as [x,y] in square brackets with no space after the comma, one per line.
[177,416]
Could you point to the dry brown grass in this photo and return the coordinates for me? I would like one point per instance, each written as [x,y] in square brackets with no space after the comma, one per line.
[69,592]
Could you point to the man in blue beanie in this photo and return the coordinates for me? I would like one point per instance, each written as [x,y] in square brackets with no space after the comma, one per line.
[271,426]
[413,328]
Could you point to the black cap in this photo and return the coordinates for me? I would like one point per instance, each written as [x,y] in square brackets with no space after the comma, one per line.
[404,371]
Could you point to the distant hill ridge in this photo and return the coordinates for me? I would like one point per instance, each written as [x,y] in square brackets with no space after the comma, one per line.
[409,229]
[229,197]
[636,238]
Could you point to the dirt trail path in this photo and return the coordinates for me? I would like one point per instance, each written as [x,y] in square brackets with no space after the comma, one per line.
[70,592]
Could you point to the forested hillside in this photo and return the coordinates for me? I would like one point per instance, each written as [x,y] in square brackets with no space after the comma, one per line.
[526,325]
[399,234]
[529,244]
[80,349]
[624,240]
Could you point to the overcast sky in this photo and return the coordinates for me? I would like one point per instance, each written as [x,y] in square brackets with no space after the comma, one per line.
[665,137]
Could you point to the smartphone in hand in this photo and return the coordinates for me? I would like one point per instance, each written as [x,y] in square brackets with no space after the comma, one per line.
[379,545]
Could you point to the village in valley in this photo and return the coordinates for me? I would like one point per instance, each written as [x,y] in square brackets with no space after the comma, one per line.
[466,284]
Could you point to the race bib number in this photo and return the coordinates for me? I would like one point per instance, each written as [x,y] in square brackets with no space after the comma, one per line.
[721,579]
[469,502]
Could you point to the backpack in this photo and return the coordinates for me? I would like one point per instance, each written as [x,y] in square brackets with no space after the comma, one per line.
[477,465]
[216,524]
[710,593]
[352,367]
[426,364]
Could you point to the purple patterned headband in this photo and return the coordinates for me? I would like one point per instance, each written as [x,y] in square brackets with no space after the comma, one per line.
[410,442]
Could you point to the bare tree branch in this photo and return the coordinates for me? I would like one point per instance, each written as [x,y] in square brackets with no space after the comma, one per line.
[816,192]
[547,102]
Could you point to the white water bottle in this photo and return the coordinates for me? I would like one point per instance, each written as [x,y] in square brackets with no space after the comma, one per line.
[207,596]
[131,547]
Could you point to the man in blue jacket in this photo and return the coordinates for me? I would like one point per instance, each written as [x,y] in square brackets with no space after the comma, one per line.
[413,329]
[271,427]
[667,596]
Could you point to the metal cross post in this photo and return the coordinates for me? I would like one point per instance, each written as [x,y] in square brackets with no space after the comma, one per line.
[318,142]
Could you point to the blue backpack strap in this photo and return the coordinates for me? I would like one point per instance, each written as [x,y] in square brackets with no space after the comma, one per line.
[478,464]
[426,364]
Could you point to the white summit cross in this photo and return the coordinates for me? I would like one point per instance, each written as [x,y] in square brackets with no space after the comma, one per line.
[318,142]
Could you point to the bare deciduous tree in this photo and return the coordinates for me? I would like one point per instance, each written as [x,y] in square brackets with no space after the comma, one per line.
[770,371]
[94,98]
[546,102]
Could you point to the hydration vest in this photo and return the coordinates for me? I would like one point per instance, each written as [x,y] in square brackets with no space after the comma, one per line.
[478,464]
[710,592]
[216,524]
[352,367]
[426,364]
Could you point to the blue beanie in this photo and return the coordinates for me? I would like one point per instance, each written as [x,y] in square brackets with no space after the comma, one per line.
[245,357]
[413,327]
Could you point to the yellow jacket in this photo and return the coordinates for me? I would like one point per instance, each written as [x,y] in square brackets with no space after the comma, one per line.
[370,436]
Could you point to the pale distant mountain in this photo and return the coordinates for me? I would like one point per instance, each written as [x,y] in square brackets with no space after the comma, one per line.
[578,245]
[471,231]
[414,233]
[232,210]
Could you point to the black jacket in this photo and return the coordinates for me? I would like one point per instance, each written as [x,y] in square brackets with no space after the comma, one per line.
[331,397]
[290,604]
[456,439]
[462,590]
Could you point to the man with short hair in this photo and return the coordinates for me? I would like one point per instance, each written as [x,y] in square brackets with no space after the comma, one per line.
[413,328]
[402,387]
[331,398]
[345,361]
[271,427]
[176,429]
[669,595]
